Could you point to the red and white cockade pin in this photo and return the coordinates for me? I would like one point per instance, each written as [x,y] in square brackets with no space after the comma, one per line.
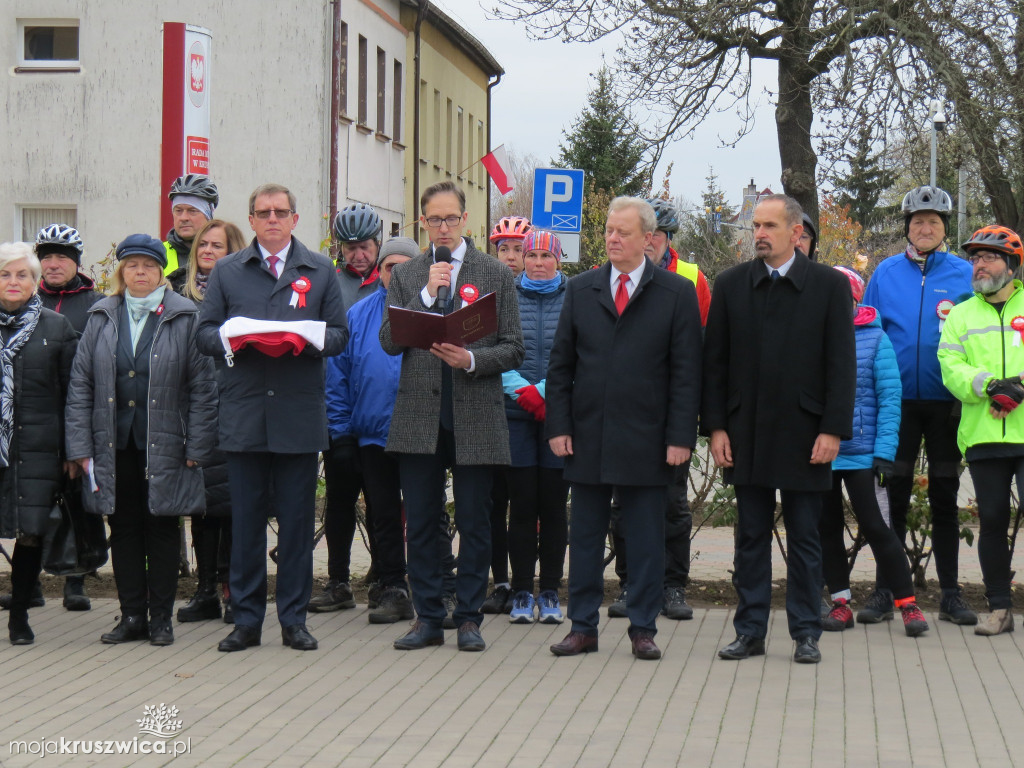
[299,290]
[942,308]
[1018,325]
[469,293]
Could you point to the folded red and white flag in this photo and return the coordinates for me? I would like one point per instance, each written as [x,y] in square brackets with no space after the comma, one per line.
[271,337]
[497,165]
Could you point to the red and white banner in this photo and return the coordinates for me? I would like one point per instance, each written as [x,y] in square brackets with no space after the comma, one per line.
[496,163]
[186,108]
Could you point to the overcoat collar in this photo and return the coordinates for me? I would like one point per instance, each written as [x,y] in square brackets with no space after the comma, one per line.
[797,273]
[603,286]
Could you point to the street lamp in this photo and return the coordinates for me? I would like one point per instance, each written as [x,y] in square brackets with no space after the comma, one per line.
[937,118]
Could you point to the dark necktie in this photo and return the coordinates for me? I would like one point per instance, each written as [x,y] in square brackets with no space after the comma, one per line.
[622,294]
[775,275]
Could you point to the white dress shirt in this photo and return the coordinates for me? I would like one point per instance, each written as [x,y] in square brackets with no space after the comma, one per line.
[634,278]
[282,255]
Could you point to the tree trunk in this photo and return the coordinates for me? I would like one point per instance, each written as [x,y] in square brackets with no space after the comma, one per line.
[793,118]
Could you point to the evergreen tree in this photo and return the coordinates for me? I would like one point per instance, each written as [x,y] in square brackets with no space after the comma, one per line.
[604,142]
[866,182]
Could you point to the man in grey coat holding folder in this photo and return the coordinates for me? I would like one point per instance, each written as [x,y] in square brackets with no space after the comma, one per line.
[450,413]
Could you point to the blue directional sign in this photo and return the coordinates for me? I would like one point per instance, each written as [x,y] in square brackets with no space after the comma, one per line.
[557,199]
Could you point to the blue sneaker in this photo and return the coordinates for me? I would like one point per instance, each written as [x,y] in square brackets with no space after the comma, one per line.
[550,611]
[522,608]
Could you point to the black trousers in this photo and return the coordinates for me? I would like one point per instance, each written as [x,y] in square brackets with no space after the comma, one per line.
[643,515]
[992,479]
[678,526]
[500,497]
[211,540]
[889,555]
[936,421]
[423,485]
[343,480]
[383,492]
[290,479]
[143,547]
[537,526]
[801,511]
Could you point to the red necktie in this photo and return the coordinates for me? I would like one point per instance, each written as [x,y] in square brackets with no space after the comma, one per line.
[622,295]
[272,262]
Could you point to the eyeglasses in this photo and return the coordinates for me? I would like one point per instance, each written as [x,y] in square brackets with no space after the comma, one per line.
[280,213]
[435,221]
[986,257]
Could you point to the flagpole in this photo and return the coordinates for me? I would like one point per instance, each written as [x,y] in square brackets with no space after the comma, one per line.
[463,171]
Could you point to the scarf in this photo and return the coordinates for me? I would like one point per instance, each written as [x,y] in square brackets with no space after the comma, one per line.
[23,323]
[201,282]
[542,286]
[139,309]
[917,257]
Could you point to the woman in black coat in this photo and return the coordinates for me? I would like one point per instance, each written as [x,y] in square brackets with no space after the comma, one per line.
[211,530]
[36,350]
[141,418]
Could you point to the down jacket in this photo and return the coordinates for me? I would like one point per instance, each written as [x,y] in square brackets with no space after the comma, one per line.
[34,475]
[182,408]
[538,313]
[876,408]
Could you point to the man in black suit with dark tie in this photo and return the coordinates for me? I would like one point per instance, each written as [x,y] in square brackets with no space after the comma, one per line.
[623,391]
[779,381]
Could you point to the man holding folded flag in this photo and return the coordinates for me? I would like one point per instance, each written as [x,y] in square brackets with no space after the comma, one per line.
[274,310]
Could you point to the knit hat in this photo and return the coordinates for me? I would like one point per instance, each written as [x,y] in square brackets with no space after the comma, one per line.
[542,240]
[142,245]
[404,246]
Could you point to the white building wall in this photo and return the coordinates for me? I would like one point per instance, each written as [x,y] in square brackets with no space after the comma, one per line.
[92,139]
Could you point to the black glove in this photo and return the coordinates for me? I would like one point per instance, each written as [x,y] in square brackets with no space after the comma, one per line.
[1006,394]
[345,450]
[882,469]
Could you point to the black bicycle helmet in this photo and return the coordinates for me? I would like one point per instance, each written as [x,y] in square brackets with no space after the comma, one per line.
[355,223]
[668,216]
[811,230]
[59,238]
[196,185]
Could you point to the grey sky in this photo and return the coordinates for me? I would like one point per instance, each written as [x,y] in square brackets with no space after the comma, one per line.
[545,87]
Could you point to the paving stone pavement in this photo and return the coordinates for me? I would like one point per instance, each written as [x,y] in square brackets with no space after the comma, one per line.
[877,699]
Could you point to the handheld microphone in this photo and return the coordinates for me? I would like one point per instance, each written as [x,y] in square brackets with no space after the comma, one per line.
[443,253]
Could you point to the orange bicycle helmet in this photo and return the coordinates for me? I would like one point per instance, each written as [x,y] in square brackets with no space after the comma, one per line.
[999,239]
[510,228]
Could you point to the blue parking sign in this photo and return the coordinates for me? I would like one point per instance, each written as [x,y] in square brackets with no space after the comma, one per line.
[557,199]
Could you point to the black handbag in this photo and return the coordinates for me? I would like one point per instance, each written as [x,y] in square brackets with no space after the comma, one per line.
[75,542]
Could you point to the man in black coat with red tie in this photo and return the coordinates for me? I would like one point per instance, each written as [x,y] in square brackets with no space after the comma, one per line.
[623,392]
[779,381]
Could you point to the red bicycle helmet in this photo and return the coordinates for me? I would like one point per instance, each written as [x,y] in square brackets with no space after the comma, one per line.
[510,228]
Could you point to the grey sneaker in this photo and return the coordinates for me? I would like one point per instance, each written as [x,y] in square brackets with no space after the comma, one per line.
[336,595]
[996,623]
[373,594]
[617,610]
[877,609]
[675,606]
[448,598]
[394,605]
[954,609]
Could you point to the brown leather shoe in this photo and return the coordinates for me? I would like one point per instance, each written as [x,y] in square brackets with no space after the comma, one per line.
[575,643]
[644,647]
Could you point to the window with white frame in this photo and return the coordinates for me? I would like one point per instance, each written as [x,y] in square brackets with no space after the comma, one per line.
[48,43]
[35,217]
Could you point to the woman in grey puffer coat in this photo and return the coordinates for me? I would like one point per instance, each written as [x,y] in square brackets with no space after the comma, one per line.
[141,417]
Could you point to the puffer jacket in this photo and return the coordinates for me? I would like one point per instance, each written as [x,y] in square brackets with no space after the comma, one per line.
[73,300]
[362,382]
[181,408]
[538,314]
[876,409]
[911,303]
[35,462]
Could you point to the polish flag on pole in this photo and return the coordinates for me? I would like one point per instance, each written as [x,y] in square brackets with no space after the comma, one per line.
[496,163]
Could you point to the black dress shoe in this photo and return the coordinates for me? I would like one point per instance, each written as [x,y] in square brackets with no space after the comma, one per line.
[470,638]
[743,647]
[420,636]
[240,639]
[160,632]
[807,651]
[575,643]
[128,628]
[297,636]
[644,647]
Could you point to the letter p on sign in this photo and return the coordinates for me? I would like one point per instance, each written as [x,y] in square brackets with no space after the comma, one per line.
[550,196]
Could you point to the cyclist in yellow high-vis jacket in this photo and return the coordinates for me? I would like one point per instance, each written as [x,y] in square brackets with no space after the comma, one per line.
[193,198]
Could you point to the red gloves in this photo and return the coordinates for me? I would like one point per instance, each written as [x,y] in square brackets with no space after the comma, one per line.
[531,401]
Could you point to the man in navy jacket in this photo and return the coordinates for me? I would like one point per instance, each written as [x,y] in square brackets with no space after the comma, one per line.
[273,420]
